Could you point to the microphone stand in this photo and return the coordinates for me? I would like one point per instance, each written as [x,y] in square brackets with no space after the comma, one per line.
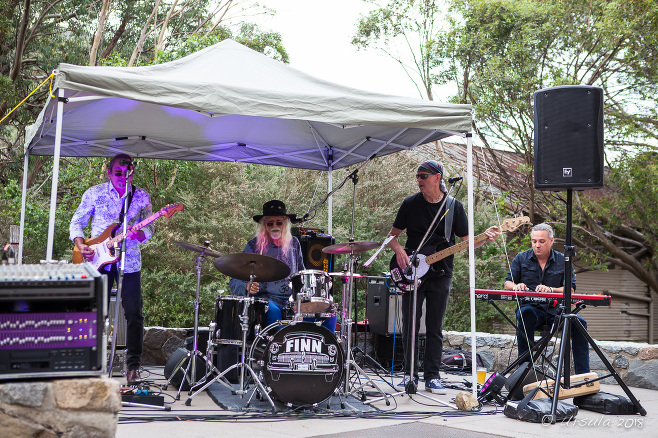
[354,177]
[411,388]
[122,264]
[124,228]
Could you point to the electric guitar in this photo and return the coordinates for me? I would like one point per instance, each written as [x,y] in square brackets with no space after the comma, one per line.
[106,246]
[425,258]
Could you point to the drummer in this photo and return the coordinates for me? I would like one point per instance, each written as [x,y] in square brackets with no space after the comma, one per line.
[273,239]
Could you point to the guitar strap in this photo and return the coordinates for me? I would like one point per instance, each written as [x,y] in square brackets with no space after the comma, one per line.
[450,203]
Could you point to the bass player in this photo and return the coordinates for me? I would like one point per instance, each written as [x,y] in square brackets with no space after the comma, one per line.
[104,204]
[415,216]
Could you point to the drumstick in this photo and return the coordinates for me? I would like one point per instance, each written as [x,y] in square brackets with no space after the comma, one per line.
[372,259]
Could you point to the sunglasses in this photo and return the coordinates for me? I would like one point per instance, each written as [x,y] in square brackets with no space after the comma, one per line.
[278,223]
[423,175]
[119,173]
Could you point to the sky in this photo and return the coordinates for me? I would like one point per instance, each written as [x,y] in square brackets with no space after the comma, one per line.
[317,35]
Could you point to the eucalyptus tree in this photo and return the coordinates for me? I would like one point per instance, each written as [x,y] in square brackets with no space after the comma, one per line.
[496,53]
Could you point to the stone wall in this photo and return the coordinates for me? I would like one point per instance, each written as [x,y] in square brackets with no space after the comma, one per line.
[636,363]
[67,408]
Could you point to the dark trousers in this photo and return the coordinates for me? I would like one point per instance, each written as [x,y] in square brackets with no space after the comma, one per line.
[131,299]
[435,292]
[534,317]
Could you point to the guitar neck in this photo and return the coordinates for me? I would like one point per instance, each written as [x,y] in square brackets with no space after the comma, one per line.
[453,249]
[136,227]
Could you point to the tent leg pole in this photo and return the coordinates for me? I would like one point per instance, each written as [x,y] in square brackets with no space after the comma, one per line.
[53,188]
[471,256]
[26,162]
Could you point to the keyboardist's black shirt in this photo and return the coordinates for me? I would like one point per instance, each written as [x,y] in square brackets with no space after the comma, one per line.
[526,269]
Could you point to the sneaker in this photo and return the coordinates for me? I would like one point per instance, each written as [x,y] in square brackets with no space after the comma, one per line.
[405,381]
[434,386]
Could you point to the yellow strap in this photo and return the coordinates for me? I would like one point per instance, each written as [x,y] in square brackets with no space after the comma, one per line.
[52,75]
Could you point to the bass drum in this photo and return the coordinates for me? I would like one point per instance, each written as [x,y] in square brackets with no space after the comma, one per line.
[301,362]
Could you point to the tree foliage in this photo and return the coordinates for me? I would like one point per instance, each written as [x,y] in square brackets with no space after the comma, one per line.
[219,198]
[497,53]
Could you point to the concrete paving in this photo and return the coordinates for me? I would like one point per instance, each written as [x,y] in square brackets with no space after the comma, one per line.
[406,415]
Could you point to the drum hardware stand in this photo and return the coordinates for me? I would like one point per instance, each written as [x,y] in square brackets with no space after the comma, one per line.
[244,324]
[192,355]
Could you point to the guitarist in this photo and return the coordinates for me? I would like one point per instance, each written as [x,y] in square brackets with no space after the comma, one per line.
[415,216]
[103,204]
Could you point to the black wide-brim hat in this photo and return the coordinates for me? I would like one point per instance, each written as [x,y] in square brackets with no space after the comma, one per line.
[274,208]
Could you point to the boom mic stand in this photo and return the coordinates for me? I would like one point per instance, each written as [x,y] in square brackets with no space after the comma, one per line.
[569,321]
[346,323]
[120,273]
[189,374]
[412,268]
[124,229]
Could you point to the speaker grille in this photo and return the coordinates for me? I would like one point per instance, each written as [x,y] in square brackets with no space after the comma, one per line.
[312,244]
[569,138]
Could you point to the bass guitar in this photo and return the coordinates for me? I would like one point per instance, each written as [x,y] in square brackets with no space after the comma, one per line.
[106,246]
[405,281]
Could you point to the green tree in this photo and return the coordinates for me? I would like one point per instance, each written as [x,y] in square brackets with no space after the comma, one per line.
[496,53]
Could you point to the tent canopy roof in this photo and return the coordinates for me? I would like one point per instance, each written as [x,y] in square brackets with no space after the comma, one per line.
[230,103]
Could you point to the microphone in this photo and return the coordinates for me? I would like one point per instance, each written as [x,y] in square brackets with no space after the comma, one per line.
[128,163]
[454,179]
[299,220]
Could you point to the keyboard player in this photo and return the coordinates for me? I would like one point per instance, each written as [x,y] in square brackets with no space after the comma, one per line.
[541,269]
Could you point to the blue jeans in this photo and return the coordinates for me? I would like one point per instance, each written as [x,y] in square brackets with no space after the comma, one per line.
[131,299]
[435,291]
[535,317]
[274,313]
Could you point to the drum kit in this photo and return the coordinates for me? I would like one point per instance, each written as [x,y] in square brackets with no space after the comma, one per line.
[297,362]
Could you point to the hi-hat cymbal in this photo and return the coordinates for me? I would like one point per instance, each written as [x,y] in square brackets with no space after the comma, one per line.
[350,247]
[242,264]
[205,250]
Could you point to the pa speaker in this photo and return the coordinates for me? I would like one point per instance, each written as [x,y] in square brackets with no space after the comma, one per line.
[569,138]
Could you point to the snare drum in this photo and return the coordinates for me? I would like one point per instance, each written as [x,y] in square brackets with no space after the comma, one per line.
[312,290]
[228,311]
[300,361]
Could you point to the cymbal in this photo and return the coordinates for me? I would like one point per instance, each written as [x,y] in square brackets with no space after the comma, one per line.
[205,250]
[350,247]
[347,274]
[239,266]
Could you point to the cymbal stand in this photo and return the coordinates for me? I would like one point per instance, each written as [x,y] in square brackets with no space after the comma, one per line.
[346,314]
[190,369]
[244,325]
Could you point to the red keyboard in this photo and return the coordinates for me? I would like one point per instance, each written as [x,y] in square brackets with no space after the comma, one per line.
[541,297]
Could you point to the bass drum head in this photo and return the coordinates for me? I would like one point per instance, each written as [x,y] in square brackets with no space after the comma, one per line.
[303,364]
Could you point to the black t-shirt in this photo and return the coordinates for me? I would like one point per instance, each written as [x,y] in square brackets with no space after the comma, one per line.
[415,216]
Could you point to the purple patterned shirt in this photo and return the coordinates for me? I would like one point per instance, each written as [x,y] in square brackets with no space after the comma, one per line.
[103,205]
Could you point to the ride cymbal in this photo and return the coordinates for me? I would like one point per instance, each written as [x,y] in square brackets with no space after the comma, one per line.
[350,247]
[241,265]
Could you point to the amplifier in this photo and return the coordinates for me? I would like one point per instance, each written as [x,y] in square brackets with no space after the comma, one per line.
[384,307]
[52,321]
[312,242]
[120,325]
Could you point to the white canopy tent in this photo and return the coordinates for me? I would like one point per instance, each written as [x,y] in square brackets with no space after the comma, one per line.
[230,103]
